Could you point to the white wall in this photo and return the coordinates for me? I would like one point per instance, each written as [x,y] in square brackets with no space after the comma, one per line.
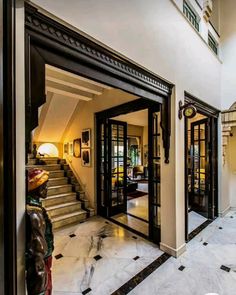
[156,35]
[152,33]
[228,49]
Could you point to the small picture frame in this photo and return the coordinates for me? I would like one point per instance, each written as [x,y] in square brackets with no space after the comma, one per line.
[86,138]
[86,158]
[77,148]
[71,148]
[66,148]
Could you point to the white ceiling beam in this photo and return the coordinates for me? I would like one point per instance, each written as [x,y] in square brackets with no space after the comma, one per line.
[74,83]
[69,74]
[65,93]
[76,93]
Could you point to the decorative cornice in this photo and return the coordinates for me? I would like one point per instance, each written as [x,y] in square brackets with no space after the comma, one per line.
[201,105]
[43,25]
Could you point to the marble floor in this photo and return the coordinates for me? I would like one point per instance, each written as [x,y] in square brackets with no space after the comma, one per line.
[207,267]
[138,207]
[132,222]
[97,257]
[195,220]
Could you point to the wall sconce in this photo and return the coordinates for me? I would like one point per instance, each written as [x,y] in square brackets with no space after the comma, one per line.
[188,110]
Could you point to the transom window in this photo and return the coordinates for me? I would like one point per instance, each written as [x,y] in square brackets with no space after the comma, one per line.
[191,15]
[212,43]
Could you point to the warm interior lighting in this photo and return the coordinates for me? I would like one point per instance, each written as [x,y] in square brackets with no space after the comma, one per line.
[48,149]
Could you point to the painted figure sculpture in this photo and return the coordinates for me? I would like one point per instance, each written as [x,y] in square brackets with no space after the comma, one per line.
[39,236]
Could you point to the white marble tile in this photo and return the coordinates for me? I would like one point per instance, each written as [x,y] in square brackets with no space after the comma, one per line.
[77,270]
[138,207]
[195,220]
[202,273]
[132,222]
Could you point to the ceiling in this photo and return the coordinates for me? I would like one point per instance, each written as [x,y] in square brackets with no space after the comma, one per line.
[64,91]
[139,118]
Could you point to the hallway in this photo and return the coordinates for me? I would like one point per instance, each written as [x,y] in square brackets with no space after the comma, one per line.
[102,257]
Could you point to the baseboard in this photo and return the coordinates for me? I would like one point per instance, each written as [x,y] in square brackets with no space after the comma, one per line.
[173,252]
[223,213]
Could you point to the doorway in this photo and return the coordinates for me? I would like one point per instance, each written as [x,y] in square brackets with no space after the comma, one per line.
[128,167]
[201,170]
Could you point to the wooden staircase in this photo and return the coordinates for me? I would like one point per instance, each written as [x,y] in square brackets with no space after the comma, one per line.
[66,203]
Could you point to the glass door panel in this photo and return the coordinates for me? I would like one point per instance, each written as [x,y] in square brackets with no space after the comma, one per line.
[154,175]
[117,153]
[199,192]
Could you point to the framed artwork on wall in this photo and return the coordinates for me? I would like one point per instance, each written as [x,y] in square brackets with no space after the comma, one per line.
[86,158]
[66,148]
[77,148]
[86,138]
[71,148]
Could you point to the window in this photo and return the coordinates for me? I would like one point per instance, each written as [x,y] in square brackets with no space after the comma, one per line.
[191,15]
[212,43]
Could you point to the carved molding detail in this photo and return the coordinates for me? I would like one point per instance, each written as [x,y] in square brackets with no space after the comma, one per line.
[201,105]
[36,21]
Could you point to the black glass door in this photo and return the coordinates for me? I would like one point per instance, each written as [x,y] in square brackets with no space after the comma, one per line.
[154,158]
[199,173]
[117,166]
[112,167]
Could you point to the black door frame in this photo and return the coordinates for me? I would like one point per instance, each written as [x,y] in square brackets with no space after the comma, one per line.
[103,116]
[8,262]
[118,208]
[49,42]
[207,163]
[212,113]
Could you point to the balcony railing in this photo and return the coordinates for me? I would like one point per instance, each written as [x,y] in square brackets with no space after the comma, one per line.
[191,15]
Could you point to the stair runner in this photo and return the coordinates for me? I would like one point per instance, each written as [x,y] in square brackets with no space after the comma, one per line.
[66,203]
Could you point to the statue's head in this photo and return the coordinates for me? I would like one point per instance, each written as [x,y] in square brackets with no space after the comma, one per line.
[37,182]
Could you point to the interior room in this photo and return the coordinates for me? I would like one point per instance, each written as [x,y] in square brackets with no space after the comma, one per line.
[197,171]
[136,215]
[64,142]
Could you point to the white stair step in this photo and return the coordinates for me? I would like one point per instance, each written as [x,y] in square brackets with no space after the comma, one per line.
[31,162]
[59,189]
[66,167]
[56,174]
[50,161]
[50,167]
[67,219]
[59,199]
[62,209]
[57,181]
[91,211]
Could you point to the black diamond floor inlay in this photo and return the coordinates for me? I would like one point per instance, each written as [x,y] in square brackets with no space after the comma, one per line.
[220,227]
[225,268]
[97,257]
[205,243]
[72,235]
[231,217]
[136,258]
[181,268]
[134,237]
[86,291]
[58,256]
